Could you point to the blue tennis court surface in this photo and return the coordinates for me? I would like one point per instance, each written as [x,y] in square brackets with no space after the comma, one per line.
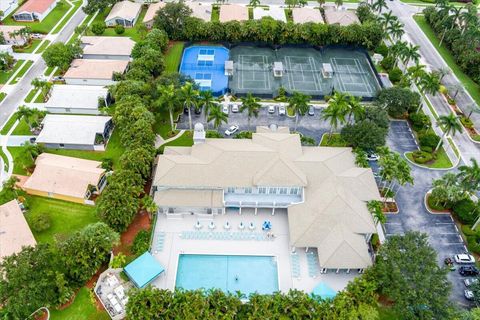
[206,65]
[247,274]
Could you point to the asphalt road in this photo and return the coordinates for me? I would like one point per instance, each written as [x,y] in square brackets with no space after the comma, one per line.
[16,97]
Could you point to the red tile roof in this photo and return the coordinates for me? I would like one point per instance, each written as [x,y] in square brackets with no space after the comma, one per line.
[39,6]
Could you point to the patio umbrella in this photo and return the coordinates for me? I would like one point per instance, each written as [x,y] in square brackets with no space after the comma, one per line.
[324,291]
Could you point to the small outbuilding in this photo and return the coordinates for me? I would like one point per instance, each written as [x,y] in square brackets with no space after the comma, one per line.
[14,230]
[278,69]
[77,99]
[34,10]
[94,72]
[124,13]
[233,12]
[143,270]
[112,48]
[75,132]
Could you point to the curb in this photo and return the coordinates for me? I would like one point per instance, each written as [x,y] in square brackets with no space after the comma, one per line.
[423,167]
[427,207]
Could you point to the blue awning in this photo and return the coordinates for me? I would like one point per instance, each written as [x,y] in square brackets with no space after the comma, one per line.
[324,291]
[143,270]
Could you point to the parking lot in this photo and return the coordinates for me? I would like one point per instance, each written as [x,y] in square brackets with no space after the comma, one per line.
[312,126]
[400,137]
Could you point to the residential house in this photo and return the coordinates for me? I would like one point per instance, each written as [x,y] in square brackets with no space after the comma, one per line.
[75,132]
[233,12]
[94,72]
[305,14]
[113,48]
[340,17]
[151,13]
[66,178]
[200,10]
[77,99]
[322,190]
[276,13]
[10,33]
[7,7]
[14,230]
[123,13]
[34,10]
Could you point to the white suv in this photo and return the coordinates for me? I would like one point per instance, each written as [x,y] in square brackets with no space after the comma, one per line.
[464,258]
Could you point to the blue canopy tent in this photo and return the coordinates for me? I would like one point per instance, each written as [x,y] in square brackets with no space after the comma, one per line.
[143,270]
[324,291]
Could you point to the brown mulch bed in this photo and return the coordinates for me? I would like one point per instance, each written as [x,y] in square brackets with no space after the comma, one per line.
[141,222]
[390,207]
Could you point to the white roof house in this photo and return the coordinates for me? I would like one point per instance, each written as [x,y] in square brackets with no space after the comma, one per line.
[305,14]
[124,13]
[323,190]
[75,99]
[233,12]
[200,10]
[94,72]
[151,13]
[7,6]
[277,13]
[75,132]
[115,48]
[14,230]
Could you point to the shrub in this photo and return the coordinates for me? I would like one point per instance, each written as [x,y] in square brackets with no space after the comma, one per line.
[244,135]
[451,101]
[467,123]
[422,157]
[213,134]
[119,29]
[419,121]
[382,49]
[388,63]
[98,28]
[428,140]
[141,243]
[464,210]
[395,75]
[307,141]
[40,222]
[426,149]
[443,89]
[107,164]
[467,230]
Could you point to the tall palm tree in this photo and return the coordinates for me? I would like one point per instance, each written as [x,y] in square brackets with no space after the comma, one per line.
[410,52]
[416,72]
[26,113]
[32,150]
[379,5]
[355,108]
[299,103]
[455,14]
[218,116]
[386,19]
[250,103]
[168,100]
[443,72]
[42,85]
[470,176]
[450,124]
[208,102]
[396,30]
[190,99]
[429,83]
[321,2]
[336,111]
[397,50]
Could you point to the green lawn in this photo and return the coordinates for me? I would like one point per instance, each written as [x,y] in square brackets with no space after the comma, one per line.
[76,5]
[215,13]
[173,57]
[30,47]
[162,124]
[22,71]
[66,217]
[442,161]
[2,96]
[30,95]
[114,151]
[335,141]
[472,87]
[47,24]
[5,76]
[185,140]
[21,162]
[8,124]
[22,129]
[44,46]
[82,308]
[129,32]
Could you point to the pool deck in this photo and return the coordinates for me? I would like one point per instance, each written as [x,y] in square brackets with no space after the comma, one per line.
[178,235]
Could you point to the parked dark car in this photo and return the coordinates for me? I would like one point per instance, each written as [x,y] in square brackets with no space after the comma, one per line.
[198,110]
[468,271]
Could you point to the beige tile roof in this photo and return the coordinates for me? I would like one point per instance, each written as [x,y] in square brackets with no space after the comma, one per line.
[124,9]
[39,6]
[233,12]
[341,17]
[190,198]
[95,69]
[304,15]
[335,189]
[121,46]
[152,11]
[200,10]
[14,230]
[8,29]
[276,13]
[64,175]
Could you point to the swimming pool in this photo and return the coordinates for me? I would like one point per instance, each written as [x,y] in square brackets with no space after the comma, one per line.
[206,65]
[247,274]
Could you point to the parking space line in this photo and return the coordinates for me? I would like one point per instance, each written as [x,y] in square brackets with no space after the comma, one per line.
[448,243]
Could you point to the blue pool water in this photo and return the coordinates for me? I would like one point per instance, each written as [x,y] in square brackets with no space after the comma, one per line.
[206,65]
[247,274]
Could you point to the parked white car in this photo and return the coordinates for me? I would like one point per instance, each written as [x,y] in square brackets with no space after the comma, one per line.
[469,294]
[281,110]
[234,108]
[225,109]
[231,130]
[464,258]
[468,282]
[271,108]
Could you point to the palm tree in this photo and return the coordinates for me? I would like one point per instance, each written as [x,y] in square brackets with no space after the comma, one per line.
[149,205]
[456,87]
[416,72]
[321,2]
[32,150]
[254,3]
[379,5]
[299,103]
[25,113]
[336,111]
[473,109]
[250,103]
[355,108]
[450,124]
[396,30]
[386,19]
[168,100]
[207,101]
[443,72]
[410,53]
[218,116]
[397,50]
[190,99]
[42,85]
[470,176]
[429,83]
[455,14]
[376,209]
[338,3]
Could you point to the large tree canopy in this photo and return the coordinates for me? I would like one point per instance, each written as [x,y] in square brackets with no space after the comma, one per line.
[61,55]
[398,101]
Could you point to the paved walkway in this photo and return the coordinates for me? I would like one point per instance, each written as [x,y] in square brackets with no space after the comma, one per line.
[159,141]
